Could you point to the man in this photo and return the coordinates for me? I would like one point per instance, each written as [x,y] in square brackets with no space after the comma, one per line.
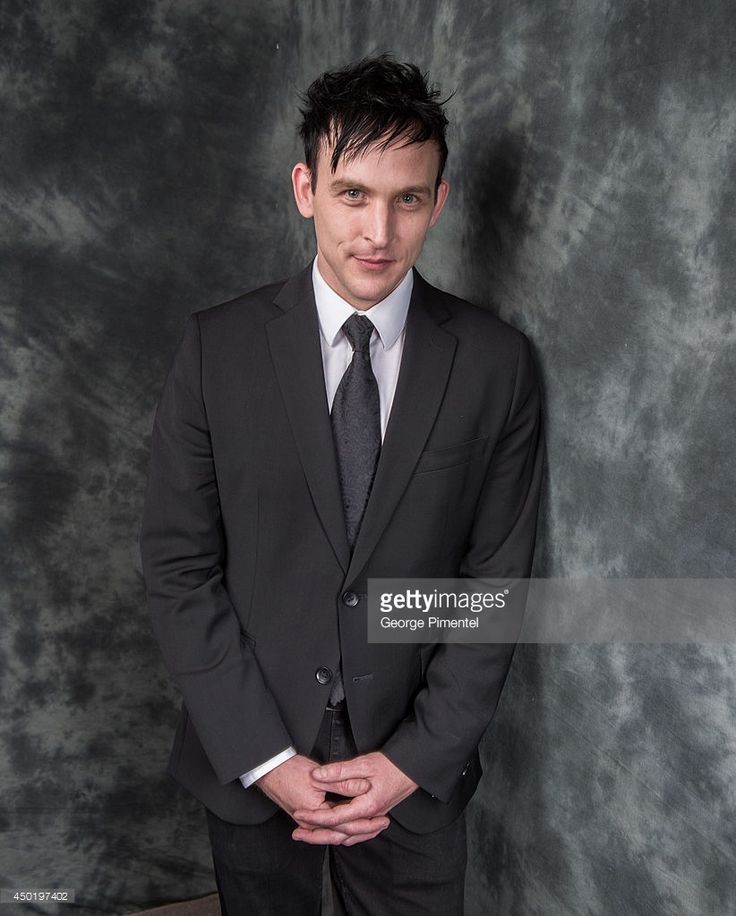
[352,422]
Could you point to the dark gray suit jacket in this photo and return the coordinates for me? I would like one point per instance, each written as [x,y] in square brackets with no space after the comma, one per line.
[246,560]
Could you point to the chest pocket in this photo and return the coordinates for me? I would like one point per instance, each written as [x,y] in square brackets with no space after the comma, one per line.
[439,458]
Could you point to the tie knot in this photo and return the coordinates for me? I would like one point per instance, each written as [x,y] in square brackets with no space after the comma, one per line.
[358,330]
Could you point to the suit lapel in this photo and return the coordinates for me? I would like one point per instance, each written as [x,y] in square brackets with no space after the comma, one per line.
[293,339]
[425,368]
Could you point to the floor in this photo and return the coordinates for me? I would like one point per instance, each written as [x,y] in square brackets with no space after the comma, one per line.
[205,906]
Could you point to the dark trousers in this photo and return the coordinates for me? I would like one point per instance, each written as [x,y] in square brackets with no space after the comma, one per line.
[261,871]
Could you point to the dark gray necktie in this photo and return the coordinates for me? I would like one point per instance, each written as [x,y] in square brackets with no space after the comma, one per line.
[356,425]
[356,429]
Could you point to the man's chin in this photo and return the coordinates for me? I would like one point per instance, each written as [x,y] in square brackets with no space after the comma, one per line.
[368,298]
[370,293]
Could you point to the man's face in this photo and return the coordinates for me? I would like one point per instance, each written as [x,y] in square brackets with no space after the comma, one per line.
[371,216]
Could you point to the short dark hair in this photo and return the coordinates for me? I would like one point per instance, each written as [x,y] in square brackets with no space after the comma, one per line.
[376,100]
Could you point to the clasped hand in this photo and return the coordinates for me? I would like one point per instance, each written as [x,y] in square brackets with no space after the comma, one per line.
[371,782]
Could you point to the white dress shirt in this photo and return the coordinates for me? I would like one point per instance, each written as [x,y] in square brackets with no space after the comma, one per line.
[387,346]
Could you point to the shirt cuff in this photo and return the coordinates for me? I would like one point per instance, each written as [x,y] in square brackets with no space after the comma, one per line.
[247,779]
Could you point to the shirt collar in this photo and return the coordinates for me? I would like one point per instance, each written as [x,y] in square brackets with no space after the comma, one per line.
[388,315]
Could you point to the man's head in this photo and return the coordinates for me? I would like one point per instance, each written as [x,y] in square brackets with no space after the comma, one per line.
[376,101]
[375,150]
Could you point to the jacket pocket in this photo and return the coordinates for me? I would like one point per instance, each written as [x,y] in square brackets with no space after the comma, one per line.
[438,458]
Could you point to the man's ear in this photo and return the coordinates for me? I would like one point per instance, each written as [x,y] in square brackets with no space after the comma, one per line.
[443,189]
[301,181]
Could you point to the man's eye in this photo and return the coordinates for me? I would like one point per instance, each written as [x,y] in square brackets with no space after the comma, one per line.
[352,194]
[408,198]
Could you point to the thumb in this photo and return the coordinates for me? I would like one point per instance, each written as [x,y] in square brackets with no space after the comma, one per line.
[351,787]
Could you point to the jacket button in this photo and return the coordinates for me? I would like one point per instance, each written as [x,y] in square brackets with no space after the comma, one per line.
[323,675]
[350,598]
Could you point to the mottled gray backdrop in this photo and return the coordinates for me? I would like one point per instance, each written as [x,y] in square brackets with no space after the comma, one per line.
[145,155]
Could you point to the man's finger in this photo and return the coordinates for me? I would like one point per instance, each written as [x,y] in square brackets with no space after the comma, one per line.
[350,787]
[319,837]
[357,768]
[324,836]
[336,815]
[364,826]
[355,824]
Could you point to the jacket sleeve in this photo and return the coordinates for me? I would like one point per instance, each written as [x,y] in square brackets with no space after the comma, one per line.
[183,552]
[463,682]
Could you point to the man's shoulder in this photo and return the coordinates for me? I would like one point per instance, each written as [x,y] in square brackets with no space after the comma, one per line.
[253,306]
[470,322]
[256,306]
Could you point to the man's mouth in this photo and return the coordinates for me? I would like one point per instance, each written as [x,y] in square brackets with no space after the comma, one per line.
[373,263]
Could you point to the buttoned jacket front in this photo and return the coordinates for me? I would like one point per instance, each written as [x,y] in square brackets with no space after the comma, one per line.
[255,594]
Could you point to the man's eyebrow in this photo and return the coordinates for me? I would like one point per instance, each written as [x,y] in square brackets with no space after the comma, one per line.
[416,189]
[343,184]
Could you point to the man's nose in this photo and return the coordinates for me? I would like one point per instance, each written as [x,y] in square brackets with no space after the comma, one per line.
[379,224]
